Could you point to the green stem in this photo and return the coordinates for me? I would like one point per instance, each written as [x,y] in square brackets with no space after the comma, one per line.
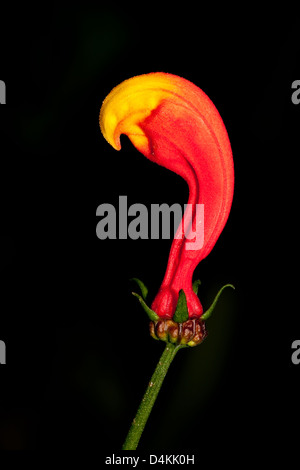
[146,405]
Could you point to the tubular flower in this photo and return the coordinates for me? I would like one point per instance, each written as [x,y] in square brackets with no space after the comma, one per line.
[173,123]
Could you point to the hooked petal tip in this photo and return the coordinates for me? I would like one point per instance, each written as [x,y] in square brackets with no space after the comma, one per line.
[130,103]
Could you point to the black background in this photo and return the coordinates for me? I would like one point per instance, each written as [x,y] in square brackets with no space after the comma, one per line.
[79,355]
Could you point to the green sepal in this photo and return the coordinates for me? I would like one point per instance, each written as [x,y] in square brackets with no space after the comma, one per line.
[151,314]
[181,313]
[196,285]
[144,289]
[208,312]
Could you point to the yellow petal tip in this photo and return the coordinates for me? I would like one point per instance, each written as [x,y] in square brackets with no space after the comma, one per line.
[129,103]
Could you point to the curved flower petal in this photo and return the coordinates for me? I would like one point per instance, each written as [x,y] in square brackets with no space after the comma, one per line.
[173,123]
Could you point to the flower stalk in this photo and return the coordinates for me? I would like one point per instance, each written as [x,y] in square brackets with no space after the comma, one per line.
[153,388]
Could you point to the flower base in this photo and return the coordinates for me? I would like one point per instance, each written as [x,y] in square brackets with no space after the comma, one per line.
[190,333]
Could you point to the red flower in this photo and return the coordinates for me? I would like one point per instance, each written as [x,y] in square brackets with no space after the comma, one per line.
[173,123]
